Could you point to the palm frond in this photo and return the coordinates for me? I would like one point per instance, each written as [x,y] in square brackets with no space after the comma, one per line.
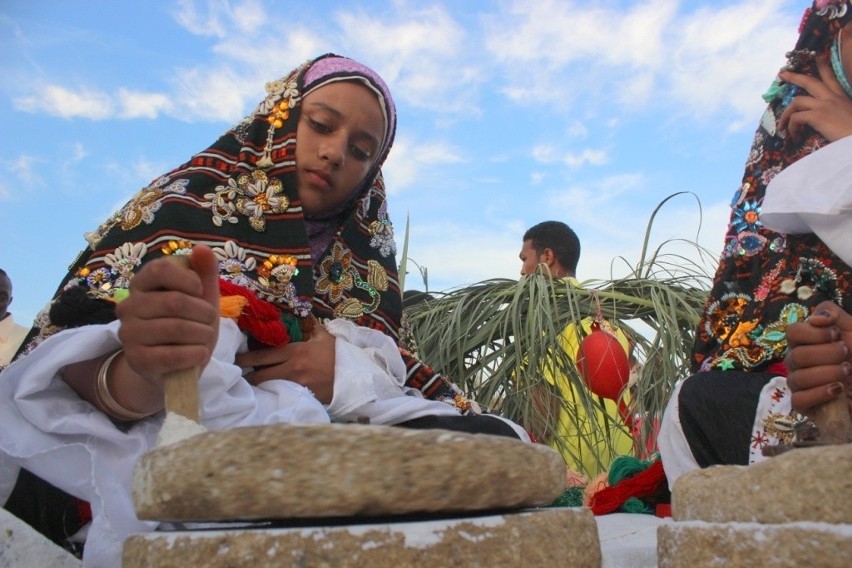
[499,340]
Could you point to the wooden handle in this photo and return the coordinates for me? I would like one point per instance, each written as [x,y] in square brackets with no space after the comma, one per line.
[182,393]
[181,387]
[833,420]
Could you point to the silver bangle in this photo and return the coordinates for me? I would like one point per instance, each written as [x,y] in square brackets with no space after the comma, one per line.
[105,399]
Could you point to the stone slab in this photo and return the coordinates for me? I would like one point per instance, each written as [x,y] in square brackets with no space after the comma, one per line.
[691,544]
[283,471]
[21,545]
[544,537]
[805,484]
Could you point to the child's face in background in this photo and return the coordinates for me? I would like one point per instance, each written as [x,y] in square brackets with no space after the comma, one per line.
[338,138]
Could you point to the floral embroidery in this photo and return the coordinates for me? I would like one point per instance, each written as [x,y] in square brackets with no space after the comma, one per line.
[723,314]
[279,91]
[749,244]
[254,195]
[123,261]
[747,217]
[110,282]
[140,209]
[235,264]
[338,275]
[765,285]
[274,283]
[382,233]
[759,345]
[335,275]
[759,440]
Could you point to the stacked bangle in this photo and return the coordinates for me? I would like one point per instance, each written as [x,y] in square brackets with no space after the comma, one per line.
[105,399]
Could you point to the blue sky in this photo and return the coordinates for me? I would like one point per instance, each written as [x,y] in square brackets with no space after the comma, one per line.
[510,113]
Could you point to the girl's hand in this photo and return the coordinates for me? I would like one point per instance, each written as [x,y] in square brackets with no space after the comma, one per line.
[170,321]
[819,358]
[309,363]
[826,108]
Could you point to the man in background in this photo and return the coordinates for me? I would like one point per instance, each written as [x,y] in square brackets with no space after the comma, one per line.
[11,333]
[554,245]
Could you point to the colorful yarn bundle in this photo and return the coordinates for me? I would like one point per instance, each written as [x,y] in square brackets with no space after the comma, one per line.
[633,486]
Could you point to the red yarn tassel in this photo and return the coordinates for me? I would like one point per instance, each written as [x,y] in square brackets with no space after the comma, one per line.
[260,319]
[643,484]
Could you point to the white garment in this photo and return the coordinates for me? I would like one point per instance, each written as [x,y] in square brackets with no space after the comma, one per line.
[774,400]
[11,336]
[47,428]
[814,195]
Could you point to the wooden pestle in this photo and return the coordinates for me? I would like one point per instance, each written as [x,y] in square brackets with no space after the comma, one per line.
[181,386]
[833,420]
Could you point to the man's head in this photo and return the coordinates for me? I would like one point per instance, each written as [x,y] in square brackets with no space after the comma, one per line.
[5,294]
[552,243]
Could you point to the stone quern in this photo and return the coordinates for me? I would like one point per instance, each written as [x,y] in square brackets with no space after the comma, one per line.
[544,537]
[690,544]
[805,484]
[285,471]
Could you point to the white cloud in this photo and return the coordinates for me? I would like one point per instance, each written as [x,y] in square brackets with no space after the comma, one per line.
[409,160]
[421,53]
[60,101]
[219,17]
[587,156]
[545,153]
[24,168]
[134,104]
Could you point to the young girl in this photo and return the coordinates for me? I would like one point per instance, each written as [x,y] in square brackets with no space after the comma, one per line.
[284,217]
[739,400]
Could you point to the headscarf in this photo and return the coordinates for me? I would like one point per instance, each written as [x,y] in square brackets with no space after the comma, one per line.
[767,280]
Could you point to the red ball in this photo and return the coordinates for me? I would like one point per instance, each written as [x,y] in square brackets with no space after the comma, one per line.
[603,364]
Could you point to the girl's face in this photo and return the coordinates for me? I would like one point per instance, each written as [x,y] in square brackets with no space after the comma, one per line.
[338,138]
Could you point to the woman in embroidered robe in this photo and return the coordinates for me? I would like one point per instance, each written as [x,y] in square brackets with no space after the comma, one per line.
[285,211]
[739,400]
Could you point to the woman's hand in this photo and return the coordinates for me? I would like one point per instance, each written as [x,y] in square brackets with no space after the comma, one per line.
[826,108]
[819,358]
[170,321]
[309,363]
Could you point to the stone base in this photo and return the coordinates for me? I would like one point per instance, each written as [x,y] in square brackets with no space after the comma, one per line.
[805,484]
[284,471]
[730,545]
[544,537]
[22,545]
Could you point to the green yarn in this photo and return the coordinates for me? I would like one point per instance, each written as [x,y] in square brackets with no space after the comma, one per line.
[634,505]
[572,497]
[625,466]
[292,325]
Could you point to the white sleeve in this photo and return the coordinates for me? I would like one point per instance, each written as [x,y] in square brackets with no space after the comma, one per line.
[48,429]
[814,195]
[369,380]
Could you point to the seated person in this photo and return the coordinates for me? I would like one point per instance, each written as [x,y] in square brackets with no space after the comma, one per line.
[283,216]
[555,245]
[739,399]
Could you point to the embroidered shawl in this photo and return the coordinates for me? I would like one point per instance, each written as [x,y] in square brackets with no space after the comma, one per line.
[239,197]
[767,280]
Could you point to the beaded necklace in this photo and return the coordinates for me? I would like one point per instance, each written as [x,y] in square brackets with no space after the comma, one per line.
[837,65]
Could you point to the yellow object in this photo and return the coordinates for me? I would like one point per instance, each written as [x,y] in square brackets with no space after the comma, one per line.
[231,306]
[580,446]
